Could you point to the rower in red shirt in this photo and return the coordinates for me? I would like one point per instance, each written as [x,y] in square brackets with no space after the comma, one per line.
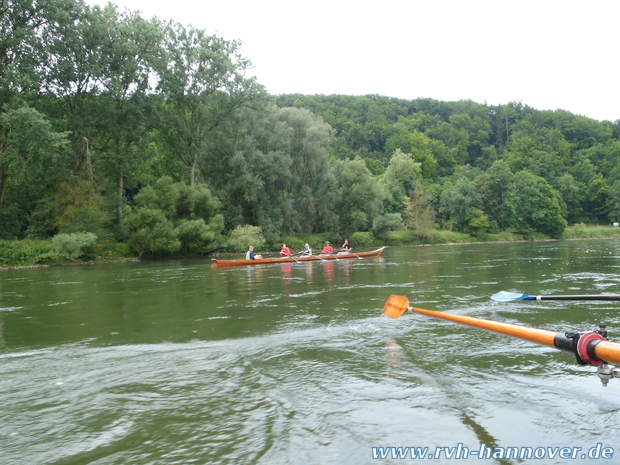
[327,250]
[285,251]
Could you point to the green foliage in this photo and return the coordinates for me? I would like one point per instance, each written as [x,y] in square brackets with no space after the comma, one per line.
[76,206]
[242,237]
[494,187]
[457,201]
[449,237]
[203,78]
[150,231]
[387,222]
[361,196]
[477,222]
[537,205]
[279,176]
[74,245]
[583,231]
[174,217]
[363,240]
[397,238]
[294,243]
[316,241]
[104,111]
[24,252]
[420,147]
[613,202]
[399,180]
[195,236]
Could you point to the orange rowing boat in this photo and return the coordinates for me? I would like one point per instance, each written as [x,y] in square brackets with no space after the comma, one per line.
[309,258]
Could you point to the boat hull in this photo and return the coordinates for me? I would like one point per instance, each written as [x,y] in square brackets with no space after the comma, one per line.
[312,258]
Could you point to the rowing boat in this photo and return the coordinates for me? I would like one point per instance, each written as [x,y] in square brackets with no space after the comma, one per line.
[309,258]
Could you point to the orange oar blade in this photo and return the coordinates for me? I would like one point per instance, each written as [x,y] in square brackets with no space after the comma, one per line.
[395,306]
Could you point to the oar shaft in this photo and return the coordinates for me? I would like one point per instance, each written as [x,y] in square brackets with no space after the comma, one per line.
[608,351]
[601,349]
[540,336]
[578,297]
[589,348]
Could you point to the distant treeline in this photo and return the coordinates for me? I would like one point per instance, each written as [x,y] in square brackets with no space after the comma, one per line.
[155,135]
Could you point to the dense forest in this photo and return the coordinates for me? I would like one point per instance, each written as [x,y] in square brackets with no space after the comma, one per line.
[156,135]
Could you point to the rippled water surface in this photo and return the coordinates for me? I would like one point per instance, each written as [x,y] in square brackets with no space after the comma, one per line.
[178,363]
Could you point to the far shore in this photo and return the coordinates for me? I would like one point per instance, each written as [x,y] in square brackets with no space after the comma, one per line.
[220,255]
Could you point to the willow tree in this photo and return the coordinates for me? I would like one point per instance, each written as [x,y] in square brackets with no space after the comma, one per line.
[203,79]
[280,173]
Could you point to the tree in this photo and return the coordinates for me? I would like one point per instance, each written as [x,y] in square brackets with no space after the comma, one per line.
[613,202]
[419,212]
[419,146]
[174,216]
[494,187]
[278,174]
[246,235]
[150,231]
[29,153]
[456,201]
[26,27]
[360,196]
[203,80]
[399,180]
[124,117]
[536,205]
[571,196]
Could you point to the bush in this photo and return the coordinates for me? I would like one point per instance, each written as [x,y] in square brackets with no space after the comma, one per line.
[401,238]
[294,243]
[446,237]
[242,237]
[387,222]
[316,241]
[195,236]
[149,230]
[73,245]
[23,253]
[363,239]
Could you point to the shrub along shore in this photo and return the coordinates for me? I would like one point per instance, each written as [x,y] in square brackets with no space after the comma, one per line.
[44,253]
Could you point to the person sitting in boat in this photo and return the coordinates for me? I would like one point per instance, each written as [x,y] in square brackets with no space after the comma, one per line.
[346,247]
[328,249]
[307,250]
[249,255]
[285,251]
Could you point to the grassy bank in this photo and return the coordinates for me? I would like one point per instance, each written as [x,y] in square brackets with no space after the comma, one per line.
[28,253]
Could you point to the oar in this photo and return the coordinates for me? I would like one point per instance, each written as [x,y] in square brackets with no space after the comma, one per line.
[312,256]
[291,256]
[353,254]
[589,347]
[504,296]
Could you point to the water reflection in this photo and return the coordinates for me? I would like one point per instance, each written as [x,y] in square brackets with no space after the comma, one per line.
[287,272]
[254,274]
[395,357]
[328,270]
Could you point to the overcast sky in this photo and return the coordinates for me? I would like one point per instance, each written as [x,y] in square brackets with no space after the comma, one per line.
[548,54]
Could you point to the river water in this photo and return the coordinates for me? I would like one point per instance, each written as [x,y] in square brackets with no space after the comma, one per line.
[178,363]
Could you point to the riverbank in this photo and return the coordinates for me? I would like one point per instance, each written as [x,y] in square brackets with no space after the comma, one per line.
[40,253]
